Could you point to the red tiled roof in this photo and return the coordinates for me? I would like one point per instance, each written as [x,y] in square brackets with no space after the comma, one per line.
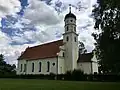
[47,50]
[85,57]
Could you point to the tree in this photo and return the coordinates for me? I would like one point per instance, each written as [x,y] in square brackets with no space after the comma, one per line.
[107,16]
[6,68]
[82,49]
[1,58]
[2,62]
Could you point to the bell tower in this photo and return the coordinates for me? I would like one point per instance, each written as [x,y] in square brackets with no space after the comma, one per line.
[70,38]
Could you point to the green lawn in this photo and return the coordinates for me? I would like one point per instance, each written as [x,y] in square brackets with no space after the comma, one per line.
[31,84]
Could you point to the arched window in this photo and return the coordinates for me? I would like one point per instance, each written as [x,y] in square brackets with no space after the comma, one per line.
[21,68]
[63,54]
[75,39]
[48,66]
[25,67]
[67,28]
[75,29]
[32,67]
[40,64]
[67,38]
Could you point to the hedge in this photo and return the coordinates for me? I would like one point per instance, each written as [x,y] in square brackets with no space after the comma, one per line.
[75,75]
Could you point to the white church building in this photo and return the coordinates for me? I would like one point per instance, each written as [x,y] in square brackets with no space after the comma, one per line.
[59,56]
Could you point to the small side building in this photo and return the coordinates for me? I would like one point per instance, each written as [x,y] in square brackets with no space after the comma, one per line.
[88,63]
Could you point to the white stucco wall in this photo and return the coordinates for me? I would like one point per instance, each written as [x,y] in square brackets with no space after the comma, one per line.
[71,45]
[61,60]
[94,58]
[95,67]
[88,67]
[53,69]
[85,66]
[19,66]
[94,64]
[61,68]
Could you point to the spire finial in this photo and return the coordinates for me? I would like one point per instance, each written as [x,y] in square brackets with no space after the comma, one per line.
[69,8]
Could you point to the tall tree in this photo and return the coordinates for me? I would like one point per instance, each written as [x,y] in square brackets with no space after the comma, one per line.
[6,68]
[1,58]
[107,16]
[2,62]
[82,49]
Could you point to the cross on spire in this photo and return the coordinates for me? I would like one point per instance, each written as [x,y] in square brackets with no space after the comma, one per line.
[69,8]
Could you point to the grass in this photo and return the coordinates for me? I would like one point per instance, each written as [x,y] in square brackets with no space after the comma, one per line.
[32,84]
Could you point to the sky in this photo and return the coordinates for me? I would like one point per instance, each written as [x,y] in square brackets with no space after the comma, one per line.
[26,23]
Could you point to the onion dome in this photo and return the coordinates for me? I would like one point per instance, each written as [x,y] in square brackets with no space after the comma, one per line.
[70,15]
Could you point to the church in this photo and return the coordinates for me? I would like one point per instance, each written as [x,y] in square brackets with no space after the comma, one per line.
[59,56]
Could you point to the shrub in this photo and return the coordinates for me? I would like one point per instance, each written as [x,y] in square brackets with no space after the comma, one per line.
[51,76]
[60,77]
[68,75]
[77,75]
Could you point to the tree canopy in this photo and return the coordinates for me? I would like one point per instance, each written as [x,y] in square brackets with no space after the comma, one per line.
[82,49]
[6,68]
[107,17]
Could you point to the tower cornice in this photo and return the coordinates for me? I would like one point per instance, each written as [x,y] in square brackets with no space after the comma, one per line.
[71,32]
[70,24]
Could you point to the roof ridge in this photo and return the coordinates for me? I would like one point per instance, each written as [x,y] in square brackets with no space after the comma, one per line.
[46,43]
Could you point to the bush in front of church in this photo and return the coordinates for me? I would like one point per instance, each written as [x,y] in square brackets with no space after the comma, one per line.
[68,75]
[78,75]
[75,75]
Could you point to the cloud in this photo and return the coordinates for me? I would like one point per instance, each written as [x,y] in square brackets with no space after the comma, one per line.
[9,7]
[39,12]
[4,40]
[6,49]
[39,35]
[11,52]
[47,29]
[43,21]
